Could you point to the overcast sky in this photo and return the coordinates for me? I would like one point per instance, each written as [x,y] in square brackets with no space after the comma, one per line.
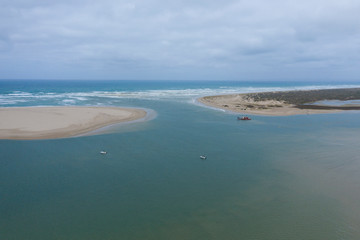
[174,40]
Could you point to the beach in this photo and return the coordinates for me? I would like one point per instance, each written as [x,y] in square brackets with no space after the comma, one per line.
[60,122]
[284,103]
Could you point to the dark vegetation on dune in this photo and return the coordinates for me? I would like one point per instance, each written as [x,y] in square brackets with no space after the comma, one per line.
[302,98]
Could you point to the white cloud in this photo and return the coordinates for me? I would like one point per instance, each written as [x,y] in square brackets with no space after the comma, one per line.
[179,39]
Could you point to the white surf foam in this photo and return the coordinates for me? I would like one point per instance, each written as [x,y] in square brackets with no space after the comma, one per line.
[188,95]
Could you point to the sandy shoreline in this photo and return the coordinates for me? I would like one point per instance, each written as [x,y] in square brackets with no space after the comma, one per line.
[235,103]
[272,103]
[60,122]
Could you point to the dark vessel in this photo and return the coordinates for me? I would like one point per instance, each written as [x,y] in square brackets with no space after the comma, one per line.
[244,118]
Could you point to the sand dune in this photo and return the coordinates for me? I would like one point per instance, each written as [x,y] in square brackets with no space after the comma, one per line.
[284,103]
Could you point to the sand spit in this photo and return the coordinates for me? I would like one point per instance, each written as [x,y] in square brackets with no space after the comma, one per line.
[60,122]
[284,103]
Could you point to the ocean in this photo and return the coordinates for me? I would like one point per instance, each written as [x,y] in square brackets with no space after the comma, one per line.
[293,177]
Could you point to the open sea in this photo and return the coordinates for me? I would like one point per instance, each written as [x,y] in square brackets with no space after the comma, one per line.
[273,178]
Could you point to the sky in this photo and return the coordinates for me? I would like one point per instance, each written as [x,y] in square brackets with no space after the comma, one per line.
[314,40]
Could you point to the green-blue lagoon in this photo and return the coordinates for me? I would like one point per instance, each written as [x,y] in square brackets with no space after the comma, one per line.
[294,177]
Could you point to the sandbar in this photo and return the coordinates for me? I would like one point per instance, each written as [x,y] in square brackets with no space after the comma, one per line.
[60,122]
[284,103]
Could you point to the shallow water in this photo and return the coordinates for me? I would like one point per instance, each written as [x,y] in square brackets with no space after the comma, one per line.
[275,178]
[337,102]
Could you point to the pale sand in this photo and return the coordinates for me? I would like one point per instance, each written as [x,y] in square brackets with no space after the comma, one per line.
[239,103]
[60,122]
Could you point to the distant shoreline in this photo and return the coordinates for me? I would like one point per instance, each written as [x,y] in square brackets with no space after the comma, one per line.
[27,123]
[284,103]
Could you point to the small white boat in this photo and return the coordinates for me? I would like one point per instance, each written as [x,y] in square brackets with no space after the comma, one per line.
[203,157]
[103,152]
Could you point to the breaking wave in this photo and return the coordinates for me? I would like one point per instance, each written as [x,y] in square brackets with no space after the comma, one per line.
[97,97]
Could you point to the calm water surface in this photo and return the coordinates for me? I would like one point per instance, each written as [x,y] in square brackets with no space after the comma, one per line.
[275,178]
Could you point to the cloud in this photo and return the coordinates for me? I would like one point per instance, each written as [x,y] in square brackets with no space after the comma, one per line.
[177,39]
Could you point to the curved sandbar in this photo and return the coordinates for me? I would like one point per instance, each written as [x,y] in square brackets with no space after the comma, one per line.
[60,122]
[284,103]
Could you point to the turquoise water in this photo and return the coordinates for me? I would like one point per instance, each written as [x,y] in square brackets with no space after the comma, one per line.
[275,178]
